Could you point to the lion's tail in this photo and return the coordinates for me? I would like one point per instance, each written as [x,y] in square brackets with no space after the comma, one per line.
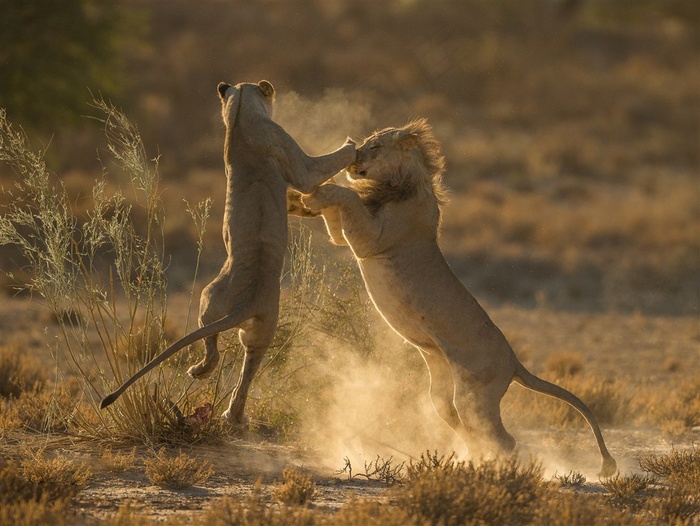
[530,381]
[229,321]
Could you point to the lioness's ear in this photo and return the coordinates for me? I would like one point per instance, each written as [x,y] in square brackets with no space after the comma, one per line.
[221,88]
[405,139]
[267,88]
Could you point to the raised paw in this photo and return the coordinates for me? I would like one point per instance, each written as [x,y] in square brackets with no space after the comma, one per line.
[324,196]
[204,368]
[296,207]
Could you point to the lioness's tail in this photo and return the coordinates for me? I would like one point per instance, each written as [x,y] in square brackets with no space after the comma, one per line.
[529,380]
[229,321]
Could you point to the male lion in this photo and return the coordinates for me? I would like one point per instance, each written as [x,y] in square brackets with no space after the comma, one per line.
[261,160]
[390,219]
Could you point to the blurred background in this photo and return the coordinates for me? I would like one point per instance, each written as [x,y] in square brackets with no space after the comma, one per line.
[571,128]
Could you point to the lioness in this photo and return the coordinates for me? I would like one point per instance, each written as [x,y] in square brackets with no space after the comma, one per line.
[261,160]
[390,218]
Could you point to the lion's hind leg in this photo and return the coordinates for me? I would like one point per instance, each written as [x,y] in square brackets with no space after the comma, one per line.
[442,395]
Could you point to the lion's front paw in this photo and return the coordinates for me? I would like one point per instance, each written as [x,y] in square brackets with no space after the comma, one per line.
[204,368]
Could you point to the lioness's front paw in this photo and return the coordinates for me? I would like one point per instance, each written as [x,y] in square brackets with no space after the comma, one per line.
[296,207]
[324,196]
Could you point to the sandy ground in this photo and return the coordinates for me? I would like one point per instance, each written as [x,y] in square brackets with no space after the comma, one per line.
[630,347]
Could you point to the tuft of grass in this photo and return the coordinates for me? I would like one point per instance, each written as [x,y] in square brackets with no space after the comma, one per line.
[572,479]
[296,489]
[118,462]
[624,488]
[177,472]
[254,511]
[38,477]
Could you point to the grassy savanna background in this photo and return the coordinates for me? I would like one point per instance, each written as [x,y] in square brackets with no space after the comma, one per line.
[571,132]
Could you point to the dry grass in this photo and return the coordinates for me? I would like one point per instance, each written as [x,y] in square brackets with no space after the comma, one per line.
[680,468]
[572,479]
[19,373]
[179,471]
[296,489]
[118,462]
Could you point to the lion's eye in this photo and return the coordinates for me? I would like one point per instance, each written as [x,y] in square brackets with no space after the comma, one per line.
[375,146]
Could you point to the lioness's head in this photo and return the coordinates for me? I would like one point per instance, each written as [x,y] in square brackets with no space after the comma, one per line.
[393,163]
[257,97]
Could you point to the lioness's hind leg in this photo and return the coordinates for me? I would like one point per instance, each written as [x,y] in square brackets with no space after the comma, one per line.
[235,414]
[209,313]
[206,365]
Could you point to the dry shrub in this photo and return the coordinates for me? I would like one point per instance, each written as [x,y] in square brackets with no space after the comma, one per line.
[564,364]
[575,508]
[624,488]
[443,491]
[19,372]
[40,479]
[372,513]
[677,411]
[672,507]
[297,488]
[177,472]
[572,479]
[681,468]
[253,511]
[57,476]
[45,511]
[38,411]
[118,462]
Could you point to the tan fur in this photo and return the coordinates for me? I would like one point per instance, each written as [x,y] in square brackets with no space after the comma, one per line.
[390,219]
[261,160]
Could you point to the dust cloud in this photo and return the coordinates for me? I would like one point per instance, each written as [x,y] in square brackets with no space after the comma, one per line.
[321,125]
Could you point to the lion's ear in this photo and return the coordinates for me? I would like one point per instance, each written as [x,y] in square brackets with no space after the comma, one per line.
[221,88]
[267,88]
[405,139]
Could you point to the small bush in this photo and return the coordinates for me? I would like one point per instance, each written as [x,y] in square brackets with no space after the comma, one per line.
[572,479]
[443,491]
[674,507]
[297,488]
[253,511]
[624,488]
[55,477]
[118,462]
[681,468]
[177,472]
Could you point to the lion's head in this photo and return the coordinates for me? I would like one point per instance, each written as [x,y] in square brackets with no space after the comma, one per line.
[395,163]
